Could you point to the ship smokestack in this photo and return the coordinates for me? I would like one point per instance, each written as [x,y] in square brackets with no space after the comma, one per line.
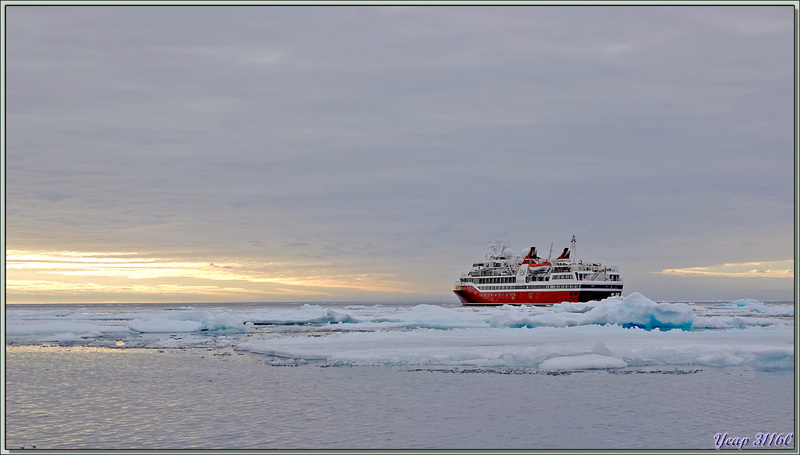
[532,256]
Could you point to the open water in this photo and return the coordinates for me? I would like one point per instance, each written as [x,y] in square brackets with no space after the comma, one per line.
[625,373]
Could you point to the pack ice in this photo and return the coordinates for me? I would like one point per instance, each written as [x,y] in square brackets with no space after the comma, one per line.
[615,333]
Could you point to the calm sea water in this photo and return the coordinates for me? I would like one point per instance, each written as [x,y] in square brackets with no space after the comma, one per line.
[99,398]
[70,395]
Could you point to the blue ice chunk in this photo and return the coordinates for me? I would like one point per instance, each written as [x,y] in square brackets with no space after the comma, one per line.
[636,310]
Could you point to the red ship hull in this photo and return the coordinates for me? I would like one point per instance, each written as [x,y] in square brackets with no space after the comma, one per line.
[473,297]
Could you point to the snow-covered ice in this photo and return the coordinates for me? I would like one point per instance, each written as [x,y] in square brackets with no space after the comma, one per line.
[620,332]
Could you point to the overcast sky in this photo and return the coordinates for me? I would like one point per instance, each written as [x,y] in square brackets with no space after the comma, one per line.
[372,153]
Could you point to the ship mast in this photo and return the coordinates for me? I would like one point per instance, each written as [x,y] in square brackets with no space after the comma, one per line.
[574,254]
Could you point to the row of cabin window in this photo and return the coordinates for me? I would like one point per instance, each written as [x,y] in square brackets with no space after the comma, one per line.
[486,264]
[540,286]
[497,280]
[550,286]
[510,279]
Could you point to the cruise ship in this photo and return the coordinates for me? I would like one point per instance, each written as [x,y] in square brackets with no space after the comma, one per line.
[506,279]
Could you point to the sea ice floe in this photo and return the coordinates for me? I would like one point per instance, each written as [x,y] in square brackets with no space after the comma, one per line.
[634,310]
[188,321]
[620,332]
[582,362]
[581,347]
[747,304]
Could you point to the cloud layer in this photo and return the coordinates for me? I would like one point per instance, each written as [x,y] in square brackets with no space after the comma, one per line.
[400,141]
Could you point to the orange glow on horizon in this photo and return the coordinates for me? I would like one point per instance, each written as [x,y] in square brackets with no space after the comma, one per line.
[764,269]
[130,276]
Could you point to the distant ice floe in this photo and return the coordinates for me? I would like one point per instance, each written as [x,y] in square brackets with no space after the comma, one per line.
[615,333]
[747,304]
[188,320]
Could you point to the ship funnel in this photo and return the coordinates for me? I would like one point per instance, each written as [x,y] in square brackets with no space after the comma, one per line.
[532,256]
